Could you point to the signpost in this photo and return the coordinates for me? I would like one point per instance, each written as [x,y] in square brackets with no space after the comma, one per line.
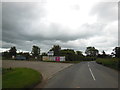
[50,53]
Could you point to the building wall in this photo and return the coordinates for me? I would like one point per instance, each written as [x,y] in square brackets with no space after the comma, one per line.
[53,58]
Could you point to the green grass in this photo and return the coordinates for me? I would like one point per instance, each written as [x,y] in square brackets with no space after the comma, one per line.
[20,78]
[109,62]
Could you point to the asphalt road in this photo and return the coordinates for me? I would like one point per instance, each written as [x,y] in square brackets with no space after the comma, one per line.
[84,75]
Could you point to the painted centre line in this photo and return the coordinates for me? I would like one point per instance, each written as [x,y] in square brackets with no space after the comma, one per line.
[88,64]
[91,73]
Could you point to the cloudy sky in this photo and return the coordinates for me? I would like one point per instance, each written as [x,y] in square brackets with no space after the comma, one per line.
[73,24]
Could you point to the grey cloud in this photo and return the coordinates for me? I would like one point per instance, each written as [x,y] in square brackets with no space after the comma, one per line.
[17,19]
[0,23]
[119,23]
[106,11]
[7,44]
[92,29]
[54,33]
[22,27]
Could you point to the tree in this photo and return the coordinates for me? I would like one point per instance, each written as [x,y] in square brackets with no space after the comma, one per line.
[6,54]
[56,49]
[79,53]
[117,52]
[20,53]
[35,51]
[103,54]
[91,51]
[44,54]
[69,54]
[112,54]
[100,56]
[12,51]
[27,55]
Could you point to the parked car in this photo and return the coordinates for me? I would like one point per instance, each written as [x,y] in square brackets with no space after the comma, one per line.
[19,57]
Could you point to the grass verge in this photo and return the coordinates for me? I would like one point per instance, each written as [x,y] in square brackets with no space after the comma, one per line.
[20,78]
[109,62]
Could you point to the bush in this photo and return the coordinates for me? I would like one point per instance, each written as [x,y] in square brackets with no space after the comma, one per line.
[110,62]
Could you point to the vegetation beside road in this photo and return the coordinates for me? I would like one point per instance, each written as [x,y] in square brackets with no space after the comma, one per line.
[20,77]
[110,62]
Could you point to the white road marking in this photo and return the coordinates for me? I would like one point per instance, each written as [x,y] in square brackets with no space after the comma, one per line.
[92,74]
[88,64]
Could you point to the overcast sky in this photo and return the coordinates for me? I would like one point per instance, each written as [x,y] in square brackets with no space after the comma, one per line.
[74,24]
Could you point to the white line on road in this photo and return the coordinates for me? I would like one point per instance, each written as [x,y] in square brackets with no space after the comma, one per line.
[88,64]
[92,74]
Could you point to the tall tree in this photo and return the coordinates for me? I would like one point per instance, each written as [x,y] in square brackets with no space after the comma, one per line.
[56,49]
[35,51]
[12,51]
[117,52]
[91,51]
[69,54]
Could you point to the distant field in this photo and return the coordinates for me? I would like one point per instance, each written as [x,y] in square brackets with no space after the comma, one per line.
[110,62]
[20,78]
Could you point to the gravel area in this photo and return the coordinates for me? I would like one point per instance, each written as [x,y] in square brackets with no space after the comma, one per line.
[48,69]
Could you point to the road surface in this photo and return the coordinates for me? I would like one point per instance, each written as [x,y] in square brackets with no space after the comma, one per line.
[85,75]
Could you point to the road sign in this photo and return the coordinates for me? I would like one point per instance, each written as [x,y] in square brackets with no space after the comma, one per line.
[51,53]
